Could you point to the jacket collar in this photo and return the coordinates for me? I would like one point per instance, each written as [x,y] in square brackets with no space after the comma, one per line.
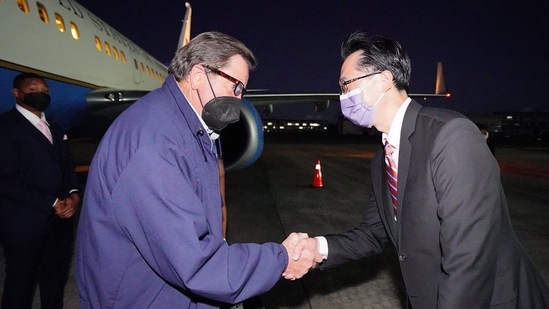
[189,114]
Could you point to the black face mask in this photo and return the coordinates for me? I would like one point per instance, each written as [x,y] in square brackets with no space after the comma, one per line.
[221,111]
[37,100]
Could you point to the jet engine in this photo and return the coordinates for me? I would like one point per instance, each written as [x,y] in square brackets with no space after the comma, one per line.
[242,141]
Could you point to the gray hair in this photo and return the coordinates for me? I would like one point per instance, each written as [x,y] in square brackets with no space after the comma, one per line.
[210,48]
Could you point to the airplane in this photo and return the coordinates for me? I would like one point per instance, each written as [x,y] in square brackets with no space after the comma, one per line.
[94,73]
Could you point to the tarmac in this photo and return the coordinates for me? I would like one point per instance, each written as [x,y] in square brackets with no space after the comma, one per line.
[274,197]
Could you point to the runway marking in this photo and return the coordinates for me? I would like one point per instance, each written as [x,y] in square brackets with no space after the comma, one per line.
[524,169]
[347,154]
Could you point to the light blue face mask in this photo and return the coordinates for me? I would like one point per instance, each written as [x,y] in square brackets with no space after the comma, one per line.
[356,110]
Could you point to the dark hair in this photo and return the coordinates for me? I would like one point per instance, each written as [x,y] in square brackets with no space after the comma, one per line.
[19,80]
[211,48]
[380,53]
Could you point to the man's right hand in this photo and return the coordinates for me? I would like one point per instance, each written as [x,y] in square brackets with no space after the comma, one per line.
[65,208]
[303,255]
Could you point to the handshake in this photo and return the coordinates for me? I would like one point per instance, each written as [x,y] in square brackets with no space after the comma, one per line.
[303,255]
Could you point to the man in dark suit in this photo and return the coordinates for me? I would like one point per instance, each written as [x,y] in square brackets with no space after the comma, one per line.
[436,195]
[38,198]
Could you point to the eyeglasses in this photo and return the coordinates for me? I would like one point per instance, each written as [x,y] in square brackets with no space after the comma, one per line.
[238,85]
[344,88]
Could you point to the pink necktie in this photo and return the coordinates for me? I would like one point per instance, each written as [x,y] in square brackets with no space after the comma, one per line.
[44,129]
[392,176]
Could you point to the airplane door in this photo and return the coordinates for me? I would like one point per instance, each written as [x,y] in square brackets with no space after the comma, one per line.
[136,72]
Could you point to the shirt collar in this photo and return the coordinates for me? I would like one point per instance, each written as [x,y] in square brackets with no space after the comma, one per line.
[213,136]
[393,137]
[30,116]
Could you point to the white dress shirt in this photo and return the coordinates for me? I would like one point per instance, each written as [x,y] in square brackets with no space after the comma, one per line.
[33,118]
[394,139]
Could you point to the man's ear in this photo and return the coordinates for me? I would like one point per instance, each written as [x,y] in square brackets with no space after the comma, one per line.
[197,76]
[386,80]
[15,92]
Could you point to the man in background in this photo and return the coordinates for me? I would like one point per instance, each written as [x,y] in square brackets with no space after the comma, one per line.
[38,199]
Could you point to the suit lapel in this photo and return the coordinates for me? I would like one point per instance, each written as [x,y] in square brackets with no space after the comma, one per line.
[408,128]
[379,176]
[56,135]
[38,137]
[29,127]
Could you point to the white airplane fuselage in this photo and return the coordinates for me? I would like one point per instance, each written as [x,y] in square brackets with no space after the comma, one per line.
[74,49]
[94,73]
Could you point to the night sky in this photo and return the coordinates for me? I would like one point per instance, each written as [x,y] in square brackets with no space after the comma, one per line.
[494,53]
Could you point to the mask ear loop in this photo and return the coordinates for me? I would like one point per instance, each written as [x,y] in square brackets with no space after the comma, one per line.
[210,84]
[215,97]
[18,98]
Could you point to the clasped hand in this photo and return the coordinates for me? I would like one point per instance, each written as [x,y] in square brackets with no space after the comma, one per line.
[302,255]
[66,208]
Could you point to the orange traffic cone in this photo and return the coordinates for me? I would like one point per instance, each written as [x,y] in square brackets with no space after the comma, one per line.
[317,178]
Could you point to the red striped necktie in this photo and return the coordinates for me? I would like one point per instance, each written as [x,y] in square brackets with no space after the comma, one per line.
[392,176]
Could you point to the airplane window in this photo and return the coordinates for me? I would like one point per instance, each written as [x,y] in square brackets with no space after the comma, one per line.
[107,48]
[136,65]
[74,31]
[60,23]
[123,56]
[98,43]
[149,71]
[142,67]
[23,6]
[115,52]
[42,13]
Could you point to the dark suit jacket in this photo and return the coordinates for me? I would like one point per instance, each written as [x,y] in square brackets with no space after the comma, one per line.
[453,237]
[33,173]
